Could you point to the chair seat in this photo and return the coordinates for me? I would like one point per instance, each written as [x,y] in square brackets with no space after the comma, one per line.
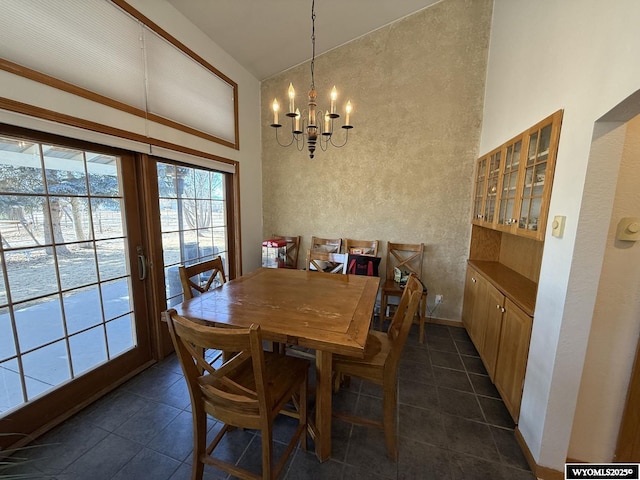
[376,351]
[390,287]
[282,373]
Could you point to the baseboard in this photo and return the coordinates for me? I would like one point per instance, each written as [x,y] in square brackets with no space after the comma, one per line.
[543,473]
[443,321]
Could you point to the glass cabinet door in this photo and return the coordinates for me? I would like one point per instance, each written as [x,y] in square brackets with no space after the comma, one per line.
[534,179]
[491,194]
[508,195]
[479,190]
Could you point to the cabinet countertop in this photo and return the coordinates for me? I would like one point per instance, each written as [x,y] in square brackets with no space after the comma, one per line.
[517,288]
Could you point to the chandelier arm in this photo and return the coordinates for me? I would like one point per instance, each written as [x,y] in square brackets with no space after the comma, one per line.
[346,139]
[324,143]
[293,137]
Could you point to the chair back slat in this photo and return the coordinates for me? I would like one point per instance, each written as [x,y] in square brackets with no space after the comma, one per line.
[326,262]
[361,247]
[405,256]
[330,245]
[201,276]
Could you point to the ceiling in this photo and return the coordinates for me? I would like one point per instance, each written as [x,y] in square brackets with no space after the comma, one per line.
[269,36]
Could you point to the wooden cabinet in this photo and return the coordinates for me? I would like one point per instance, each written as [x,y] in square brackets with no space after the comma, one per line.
[511,366]
[512,185]
[493,327]
[482,317]
[498,318]
[469,298]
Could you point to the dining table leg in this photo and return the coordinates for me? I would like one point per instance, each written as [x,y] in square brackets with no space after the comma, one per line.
[323,405]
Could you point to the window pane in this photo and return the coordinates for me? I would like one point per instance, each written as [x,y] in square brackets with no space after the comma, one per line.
[120,335]
[171,248]
[77,267]
[23,224]
[82,309]
[112,259]
[115,298]
[31,273]
[45,368]
[88,350]
[107,218]
[20,167]
[168,215]
[64,171]
[103,175]
[39,322]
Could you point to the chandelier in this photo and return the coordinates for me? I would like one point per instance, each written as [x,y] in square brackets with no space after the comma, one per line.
[312,126]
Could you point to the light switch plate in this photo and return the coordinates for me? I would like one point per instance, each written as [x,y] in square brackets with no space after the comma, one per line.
[557,226]
[628,229]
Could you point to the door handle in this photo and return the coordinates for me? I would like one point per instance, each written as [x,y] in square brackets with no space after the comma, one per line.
[142,264]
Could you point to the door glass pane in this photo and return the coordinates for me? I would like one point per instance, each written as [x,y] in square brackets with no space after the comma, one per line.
[120,331]
[46,367]
[535,176]
[88,349]
[193,220]
[65,266]
[38,322]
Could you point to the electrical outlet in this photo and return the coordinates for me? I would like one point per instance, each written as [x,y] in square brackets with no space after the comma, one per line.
[439,299]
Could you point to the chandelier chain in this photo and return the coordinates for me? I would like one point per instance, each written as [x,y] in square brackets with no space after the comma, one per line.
[313,42]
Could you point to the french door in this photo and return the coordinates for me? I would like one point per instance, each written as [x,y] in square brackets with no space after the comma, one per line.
[73,310]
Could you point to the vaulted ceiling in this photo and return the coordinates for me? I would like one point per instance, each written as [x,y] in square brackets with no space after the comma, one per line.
[269,36]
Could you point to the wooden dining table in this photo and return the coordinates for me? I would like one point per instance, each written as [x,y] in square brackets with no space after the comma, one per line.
[329,313]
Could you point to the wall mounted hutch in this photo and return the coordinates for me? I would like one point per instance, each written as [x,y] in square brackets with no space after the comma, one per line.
[512,189]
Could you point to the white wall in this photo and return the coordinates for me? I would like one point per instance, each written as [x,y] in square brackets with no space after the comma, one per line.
[580,56]
[162,13]
[616,319]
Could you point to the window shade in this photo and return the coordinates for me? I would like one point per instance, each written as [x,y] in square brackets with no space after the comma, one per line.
[95,45]
[187,92]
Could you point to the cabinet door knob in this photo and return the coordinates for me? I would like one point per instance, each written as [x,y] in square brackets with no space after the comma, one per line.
[503,309]
[473,279]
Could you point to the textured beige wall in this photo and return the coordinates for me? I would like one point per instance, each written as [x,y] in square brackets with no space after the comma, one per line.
[417,88]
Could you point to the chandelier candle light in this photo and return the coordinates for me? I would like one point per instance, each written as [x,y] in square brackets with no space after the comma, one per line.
[305,126]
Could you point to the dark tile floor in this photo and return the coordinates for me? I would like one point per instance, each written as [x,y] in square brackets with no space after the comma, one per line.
[452,425]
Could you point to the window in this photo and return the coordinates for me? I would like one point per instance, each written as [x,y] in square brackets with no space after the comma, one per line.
[193,220]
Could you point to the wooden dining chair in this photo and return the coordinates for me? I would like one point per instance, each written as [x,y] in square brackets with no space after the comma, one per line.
[293,244]
[408,259]
[326,262]
[380,364]
[330,245]
[247,391]
[201,276]
[361,247]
